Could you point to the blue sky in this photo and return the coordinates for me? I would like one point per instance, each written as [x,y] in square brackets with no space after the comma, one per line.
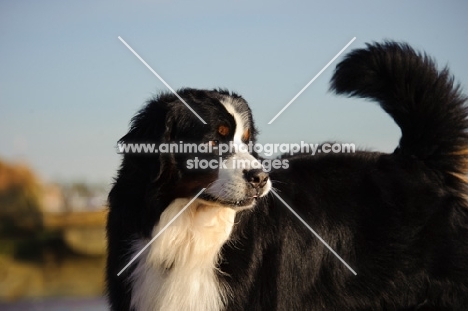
[68,86]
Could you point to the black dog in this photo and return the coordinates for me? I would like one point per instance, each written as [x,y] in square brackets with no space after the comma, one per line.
[399,220]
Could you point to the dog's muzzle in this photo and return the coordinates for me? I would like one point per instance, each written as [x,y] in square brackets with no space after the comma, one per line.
[257,180]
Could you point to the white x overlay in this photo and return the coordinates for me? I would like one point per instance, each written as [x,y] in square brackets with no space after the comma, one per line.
[201,191]
[161,79]
[313,79]
[313,231]
[161,231]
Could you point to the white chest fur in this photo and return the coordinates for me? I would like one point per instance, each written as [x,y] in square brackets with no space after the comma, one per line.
[178,271]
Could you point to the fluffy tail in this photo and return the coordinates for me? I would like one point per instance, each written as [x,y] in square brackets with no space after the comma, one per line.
[423,101]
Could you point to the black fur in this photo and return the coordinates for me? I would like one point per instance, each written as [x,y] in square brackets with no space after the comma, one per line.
[147,183]
[399,220]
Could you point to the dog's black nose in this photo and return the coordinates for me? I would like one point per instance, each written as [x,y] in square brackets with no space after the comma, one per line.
[257,178]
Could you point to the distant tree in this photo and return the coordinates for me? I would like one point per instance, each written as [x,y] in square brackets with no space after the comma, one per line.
[20,193]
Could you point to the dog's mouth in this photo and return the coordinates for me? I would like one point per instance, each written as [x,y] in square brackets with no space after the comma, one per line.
[245,202]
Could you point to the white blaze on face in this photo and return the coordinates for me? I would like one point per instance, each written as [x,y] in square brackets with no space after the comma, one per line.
[231,185]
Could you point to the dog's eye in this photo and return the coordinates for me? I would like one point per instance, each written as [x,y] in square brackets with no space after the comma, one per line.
[223,130]
[214,142]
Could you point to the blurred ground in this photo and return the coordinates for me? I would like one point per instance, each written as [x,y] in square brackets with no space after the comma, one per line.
[59,304]
[76,276]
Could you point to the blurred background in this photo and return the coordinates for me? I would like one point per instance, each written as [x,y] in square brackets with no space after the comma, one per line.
[68,88]
[52,241]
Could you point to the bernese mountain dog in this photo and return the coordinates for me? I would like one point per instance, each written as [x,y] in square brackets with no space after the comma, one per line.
[400,220]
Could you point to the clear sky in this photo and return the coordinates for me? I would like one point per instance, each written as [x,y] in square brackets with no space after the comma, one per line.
[68,86]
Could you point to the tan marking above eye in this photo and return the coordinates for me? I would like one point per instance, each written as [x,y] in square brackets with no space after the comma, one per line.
[246,135]
[223,130]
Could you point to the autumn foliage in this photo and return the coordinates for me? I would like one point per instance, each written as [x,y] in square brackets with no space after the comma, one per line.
[20,193]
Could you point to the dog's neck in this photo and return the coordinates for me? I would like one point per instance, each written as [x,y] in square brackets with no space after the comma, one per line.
[179,270]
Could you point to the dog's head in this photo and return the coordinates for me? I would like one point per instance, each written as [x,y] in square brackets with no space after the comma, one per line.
[191,159]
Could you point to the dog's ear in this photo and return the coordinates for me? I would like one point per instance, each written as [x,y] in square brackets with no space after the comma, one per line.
[149,125]
[167,166]
[162,120]
[138,173]
[152,126]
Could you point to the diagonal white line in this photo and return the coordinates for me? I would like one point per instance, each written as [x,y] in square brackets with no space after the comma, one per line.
[313,79]
[161,79]
[161,231]
[315,233]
